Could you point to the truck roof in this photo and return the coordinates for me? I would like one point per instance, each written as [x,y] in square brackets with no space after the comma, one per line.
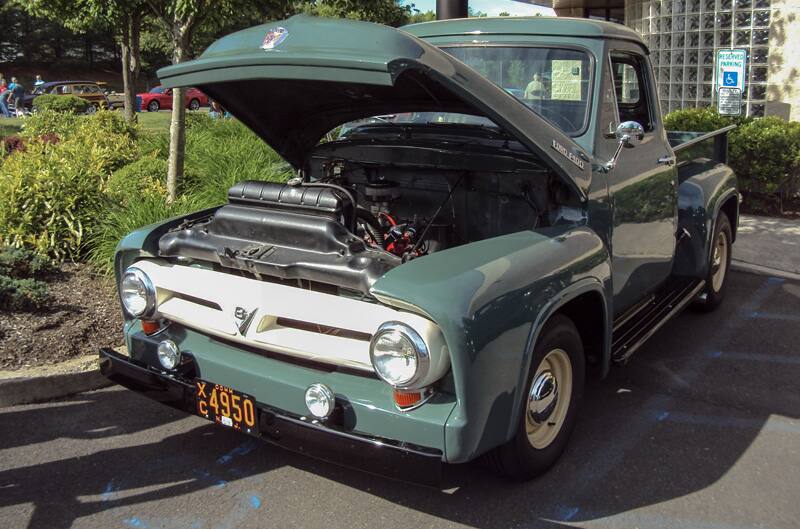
[555,26]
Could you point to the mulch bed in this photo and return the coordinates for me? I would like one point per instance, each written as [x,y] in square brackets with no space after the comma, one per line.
[84,315]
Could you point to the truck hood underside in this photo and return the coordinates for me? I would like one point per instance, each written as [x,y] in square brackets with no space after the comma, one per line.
[321,73]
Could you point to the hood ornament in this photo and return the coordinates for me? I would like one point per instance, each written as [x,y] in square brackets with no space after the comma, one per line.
[274,37]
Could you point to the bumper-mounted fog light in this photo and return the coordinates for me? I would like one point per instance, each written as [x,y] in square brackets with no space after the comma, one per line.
[168,354]
[320,400]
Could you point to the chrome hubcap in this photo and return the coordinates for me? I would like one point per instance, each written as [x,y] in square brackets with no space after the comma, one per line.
[543,398]
[719,261]
[549,398]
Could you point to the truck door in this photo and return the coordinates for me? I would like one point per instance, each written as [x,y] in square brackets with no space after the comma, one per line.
[642,186]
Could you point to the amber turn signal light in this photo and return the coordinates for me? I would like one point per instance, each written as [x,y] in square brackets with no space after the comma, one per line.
[150,327]
[406,399]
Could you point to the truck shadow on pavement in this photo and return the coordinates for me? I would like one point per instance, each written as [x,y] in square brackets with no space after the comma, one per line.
[673,422]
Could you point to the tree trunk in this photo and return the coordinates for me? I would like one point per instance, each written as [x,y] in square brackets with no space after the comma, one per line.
[127,88]
[177,126]
[131,30]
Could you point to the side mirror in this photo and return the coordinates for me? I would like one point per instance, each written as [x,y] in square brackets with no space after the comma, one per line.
[629,134]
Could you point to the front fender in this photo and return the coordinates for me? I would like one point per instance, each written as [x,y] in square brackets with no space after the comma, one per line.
[491,299]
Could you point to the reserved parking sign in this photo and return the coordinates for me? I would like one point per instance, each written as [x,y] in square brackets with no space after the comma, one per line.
[730,80]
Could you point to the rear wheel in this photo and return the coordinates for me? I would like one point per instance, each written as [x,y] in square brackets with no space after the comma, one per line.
[91,109]
[153,106]
[551,399]
[194,104]
[719,265]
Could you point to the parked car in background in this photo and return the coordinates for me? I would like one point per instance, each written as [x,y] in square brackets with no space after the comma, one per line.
[160,98]
[115,99]
[88,90]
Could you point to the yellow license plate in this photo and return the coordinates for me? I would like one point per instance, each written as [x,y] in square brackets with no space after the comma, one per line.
[226,406]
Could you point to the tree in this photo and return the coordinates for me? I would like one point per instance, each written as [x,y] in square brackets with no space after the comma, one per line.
[504,14]
[389,12]
[120,17]
[181,19]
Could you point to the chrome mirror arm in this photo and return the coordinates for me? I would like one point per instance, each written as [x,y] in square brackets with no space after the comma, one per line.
[630,134]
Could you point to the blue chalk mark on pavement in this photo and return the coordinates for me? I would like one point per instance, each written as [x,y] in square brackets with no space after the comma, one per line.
[255,502]
[109,491]
[566,514]
[134,522]
[242,449]
[663,415]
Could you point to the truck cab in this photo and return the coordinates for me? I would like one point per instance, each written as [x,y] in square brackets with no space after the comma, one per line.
[484,213]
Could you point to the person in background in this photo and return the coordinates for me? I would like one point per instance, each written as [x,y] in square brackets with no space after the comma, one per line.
[38,81]
[535,89]
[3,85]
[4,103]
[17,95]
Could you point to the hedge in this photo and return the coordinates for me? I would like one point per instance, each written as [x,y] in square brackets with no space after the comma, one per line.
[64,103]
[763,152]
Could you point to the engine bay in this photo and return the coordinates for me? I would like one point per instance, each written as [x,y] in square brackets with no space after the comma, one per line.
[351,215]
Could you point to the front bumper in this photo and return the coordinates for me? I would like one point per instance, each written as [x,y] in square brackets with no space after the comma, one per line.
[385,457]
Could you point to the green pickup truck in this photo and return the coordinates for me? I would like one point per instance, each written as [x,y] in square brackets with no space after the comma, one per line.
[485,213]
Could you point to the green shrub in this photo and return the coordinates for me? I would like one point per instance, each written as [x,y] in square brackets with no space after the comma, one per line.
[21,263]
[145,176]
[49,122]
[57,103]
[53,193]
[765,154]
[121,220]
[22,294]
[705,119]
[221,152]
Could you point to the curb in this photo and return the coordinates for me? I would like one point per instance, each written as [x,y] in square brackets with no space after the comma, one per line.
[763,270]
[38,388]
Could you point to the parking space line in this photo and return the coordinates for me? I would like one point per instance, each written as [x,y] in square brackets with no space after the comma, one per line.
[772,424]
[641,520]
[773,316]
[755,357]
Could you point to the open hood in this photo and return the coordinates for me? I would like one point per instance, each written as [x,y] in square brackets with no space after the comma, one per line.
[293,81]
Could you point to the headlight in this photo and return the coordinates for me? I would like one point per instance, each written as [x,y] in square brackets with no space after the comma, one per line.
[137,293]
[399,355]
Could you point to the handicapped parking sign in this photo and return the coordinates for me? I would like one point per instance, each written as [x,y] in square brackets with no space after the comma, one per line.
[730,79]
[731,69]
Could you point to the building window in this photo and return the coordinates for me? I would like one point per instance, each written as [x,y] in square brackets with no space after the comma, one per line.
[684,36]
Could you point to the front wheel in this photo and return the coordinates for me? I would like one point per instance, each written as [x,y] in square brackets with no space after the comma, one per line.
[552,395]
[718,266]
[91,109]
[153,106]
[194,104]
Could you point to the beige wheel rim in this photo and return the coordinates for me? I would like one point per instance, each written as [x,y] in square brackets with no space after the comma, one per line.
[548,399]
[719,261]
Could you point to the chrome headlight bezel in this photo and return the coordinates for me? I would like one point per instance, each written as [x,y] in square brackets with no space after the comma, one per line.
[150,292]
[422,354]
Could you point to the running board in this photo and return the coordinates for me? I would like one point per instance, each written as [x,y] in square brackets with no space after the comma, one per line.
[634,331]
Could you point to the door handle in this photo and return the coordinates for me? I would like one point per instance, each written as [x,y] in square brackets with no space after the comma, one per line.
[666,160]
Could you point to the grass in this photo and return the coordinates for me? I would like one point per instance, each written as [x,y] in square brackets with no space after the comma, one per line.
[150,123]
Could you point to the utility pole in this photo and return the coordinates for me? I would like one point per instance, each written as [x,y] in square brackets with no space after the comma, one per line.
[451,9]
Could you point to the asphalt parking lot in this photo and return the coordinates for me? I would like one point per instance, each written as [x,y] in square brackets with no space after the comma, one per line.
[700,430]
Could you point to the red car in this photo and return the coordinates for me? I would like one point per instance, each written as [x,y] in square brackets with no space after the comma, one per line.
[161,98]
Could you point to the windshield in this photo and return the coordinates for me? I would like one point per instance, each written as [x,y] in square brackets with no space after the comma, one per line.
[157,90]
[552,82]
